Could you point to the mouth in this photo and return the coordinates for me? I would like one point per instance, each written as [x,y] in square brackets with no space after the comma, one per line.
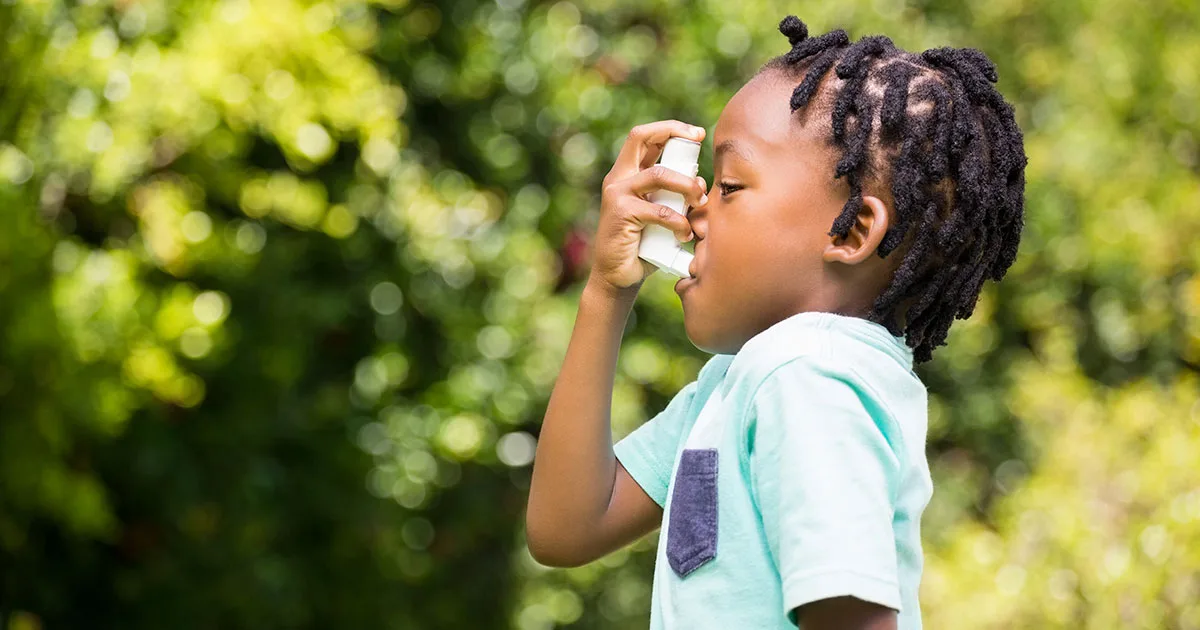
[683,284]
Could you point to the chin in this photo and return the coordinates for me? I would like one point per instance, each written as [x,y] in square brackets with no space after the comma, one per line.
[699,333]
[709,335]
[691,324]
[698,327]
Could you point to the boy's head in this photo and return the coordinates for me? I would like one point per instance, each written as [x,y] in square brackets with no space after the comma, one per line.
[858,179]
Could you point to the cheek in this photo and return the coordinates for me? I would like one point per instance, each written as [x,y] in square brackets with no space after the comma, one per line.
[746,246]
[728,233]
[753,262]
[730,272]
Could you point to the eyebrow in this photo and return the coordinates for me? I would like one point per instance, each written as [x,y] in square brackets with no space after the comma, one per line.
[734,147]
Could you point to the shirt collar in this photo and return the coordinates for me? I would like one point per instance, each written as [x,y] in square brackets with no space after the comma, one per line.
[875,334]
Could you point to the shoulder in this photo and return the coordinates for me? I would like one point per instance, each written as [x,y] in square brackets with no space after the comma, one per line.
[695,394]
[817,376]
[819,343]
[767,365]
[822,393]
[711,377]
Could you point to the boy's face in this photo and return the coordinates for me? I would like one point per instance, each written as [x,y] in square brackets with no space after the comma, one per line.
[762,237]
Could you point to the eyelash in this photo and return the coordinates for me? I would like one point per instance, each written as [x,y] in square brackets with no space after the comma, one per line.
[724,188]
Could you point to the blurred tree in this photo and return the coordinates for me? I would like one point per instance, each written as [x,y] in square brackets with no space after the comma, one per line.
[284,287]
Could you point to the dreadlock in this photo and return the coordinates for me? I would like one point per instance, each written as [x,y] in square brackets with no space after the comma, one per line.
[934,128]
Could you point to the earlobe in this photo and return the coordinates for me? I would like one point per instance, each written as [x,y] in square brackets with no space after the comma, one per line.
[864,236]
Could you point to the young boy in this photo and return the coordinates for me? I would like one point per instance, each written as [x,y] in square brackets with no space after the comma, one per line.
[790,476]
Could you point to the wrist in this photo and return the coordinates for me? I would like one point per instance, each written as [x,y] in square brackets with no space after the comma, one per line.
[604,289]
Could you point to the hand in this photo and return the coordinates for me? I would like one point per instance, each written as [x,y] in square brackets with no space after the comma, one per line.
[624,212]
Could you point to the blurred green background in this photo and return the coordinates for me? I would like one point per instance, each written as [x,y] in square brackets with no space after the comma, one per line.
[285,285]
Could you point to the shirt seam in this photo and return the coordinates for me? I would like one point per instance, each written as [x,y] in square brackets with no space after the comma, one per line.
[904,461]
[645,456]
[884,336]
[799,581]
[827,354]
[743,415]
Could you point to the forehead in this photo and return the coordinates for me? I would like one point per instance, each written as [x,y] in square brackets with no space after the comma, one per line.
[760,119]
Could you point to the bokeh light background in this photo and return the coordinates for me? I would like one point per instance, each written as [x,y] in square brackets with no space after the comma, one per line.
[285,286]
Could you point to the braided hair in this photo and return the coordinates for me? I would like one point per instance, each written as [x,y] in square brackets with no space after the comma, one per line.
[933,129]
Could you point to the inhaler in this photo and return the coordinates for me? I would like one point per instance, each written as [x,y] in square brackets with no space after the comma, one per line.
[659,245]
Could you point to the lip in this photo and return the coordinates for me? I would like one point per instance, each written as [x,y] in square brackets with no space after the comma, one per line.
[684,283]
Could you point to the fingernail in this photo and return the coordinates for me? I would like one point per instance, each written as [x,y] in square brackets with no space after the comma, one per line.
[704,199]
[697,129]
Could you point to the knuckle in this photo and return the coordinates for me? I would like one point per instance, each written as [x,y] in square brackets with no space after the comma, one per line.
[615,188]
[608,188]
[664,212]
[659,173]
[638,132]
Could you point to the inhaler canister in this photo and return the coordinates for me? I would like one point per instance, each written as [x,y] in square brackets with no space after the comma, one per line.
[659,245]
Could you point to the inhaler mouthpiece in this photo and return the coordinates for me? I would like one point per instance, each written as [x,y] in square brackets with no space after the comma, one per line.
[658,245]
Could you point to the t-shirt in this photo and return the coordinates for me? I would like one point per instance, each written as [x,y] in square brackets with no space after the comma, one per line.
[790,472]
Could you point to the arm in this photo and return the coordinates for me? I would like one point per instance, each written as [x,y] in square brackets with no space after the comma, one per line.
[582,503]
[845,613]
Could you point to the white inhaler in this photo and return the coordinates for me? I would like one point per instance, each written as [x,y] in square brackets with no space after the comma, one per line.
[659,245]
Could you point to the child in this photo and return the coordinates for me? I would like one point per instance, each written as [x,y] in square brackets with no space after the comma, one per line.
[863,193]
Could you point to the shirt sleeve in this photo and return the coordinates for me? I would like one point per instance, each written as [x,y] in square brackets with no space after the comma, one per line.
[824,476]
[648,452]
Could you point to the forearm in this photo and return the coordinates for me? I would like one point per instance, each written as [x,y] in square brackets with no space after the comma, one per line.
[574,466]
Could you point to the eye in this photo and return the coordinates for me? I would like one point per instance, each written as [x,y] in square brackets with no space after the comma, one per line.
[727,188]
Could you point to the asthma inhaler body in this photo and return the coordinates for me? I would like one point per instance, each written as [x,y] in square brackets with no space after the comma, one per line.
[659,245]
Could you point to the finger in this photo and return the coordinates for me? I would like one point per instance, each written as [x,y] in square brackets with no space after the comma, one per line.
[659,177]
[648,213]
[644,144]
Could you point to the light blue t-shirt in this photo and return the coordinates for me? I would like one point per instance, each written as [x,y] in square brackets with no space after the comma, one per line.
[790,472]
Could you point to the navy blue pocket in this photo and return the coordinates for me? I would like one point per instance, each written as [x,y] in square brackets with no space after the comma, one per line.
[692,527]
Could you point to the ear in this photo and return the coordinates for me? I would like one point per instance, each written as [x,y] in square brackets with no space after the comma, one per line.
[864,236]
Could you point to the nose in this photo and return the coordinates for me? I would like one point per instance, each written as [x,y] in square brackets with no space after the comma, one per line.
[697,216]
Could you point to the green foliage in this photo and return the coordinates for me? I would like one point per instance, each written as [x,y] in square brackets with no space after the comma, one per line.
[285,285]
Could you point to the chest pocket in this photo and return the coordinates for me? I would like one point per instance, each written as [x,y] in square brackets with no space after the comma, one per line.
[692,530]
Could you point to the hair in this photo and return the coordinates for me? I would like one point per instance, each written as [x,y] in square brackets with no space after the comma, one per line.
[934,129]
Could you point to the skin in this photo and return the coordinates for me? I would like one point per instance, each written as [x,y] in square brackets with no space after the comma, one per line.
[763,253]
